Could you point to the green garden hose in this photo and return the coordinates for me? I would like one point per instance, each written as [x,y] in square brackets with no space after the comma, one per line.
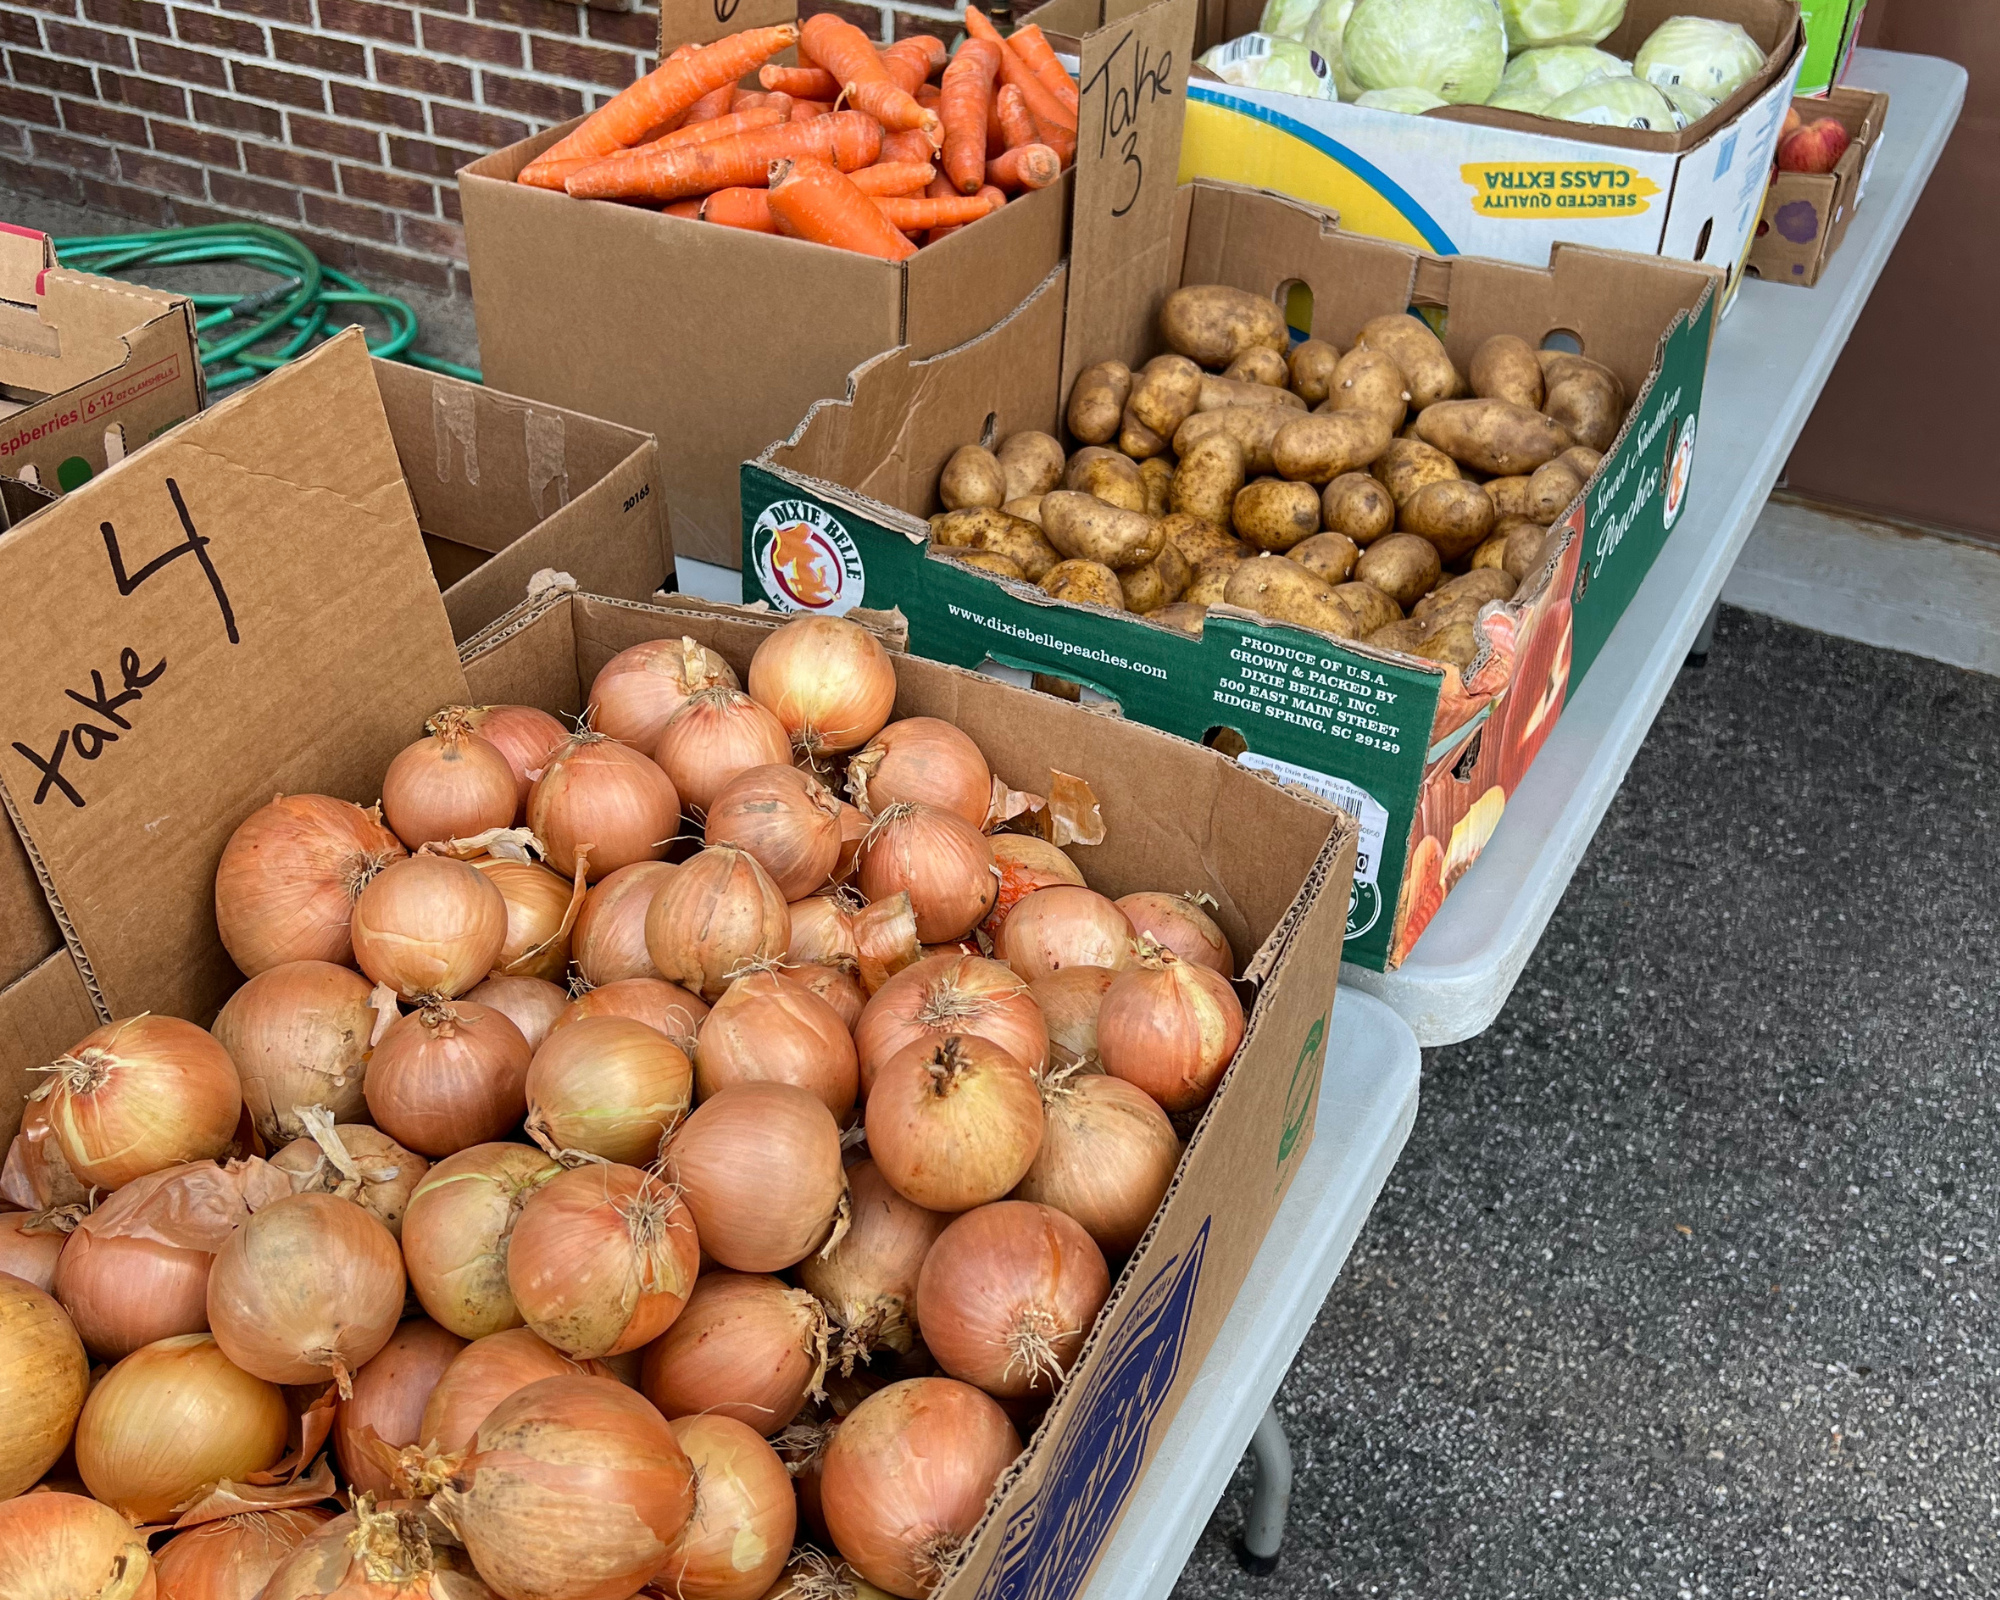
[243,336]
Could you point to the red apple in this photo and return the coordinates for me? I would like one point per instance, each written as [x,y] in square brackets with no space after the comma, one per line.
[1816,147]
[1793,122]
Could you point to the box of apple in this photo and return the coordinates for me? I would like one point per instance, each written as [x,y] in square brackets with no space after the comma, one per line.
[1820,173]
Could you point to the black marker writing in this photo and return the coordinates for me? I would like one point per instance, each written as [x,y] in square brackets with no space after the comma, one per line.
[725,9]
[196,546]
[1132,80]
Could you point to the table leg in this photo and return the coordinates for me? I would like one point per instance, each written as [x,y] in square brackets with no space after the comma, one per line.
[1270,1496]
[1698,651]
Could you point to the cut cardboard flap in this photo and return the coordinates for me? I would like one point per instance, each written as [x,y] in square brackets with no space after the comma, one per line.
[243,609]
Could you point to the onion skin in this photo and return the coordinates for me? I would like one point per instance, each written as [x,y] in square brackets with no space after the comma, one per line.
[233,1559]
[483,1374]
[389,1173]
[142,1094]
[767,1028]
[637,691]
[940,860]
[599,798]
[760,1167]
[1069,1002]
[338,1560]
[838,987]
[455,1235]
[576,1490]
[664,1007]
[785,818]
[853,829]
[602,1260]
[1108,1157]
[288,879]
[310,1287]
[908,1475]
[1178,923]
[1171,1027]
[745,1514]
[449,1076]
[451,784]
[868,1281]
[171,1419]
[828,680]
[531,1004]
[36,1175]
[391,1392]
[298,1035]
[823,931]
[717,734]
[922,759]
[609,939]
[526,736]
[1008,1295]
[1026,863]
[719,913]
[947,994]
[954,1124]
[43,1380]
[746,1346]
[429,925]
[122,1292]
[610,1087]
[29,1256]
[1065,926]
[537,902]
[64,1547]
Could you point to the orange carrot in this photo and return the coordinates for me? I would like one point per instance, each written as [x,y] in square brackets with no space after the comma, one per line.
[980,26]
[1044,104]
[684,208]
[668,90]
[847,139]
[737,208]
[913,213]
[929,95]
[714,128]
[1017,127]
[806,110]
[716,103]
[927,45]
[1040,59]
[1056,137]
[845,51]
[1027,166]
[811,200]
[893,177]
[909,61]
[810,83]
[906,144]
[962,107]
[994,198]
[679,117]
[754,98]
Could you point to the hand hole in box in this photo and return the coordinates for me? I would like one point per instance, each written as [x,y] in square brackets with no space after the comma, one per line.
[1701,243]
[1567,339]
[1227,740]
[114,444]
[1296,296]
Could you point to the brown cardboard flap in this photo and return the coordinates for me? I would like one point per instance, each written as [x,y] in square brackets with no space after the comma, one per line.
[240,609]
[705,21]
[28,933]
[42,1014]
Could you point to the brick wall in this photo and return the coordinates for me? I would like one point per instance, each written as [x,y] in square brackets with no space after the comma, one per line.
[340,120]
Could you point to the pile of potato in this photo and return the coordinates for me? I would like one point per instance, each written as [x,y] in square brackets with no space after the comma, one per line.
[1377,494]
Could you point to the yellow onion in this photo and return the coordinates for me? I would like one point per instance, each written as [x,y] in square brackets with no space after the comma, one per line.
[429,925]
[309,1288]
[141,1094]
[759,1164]
[171,1419]
[823,930]
[1026,863]
[43,1379]
[602,1259]
[64,1547]
[289,877]
[719,914]
[940,860]
[924,759]
[947,994]
[299,1036]
[531,1004]
[853,829]
[450,784]
[37,1176]
[811,1575]
[767,1028]
[609,939]
[746,1346]
[715,735]
[483,1374]
[390,1393]
[787,819]
[30,1245]
[455,1234]
[664,1007]
[609,1087]
[1065,926]
[1171,1027]
[802,1448]
[745,1514]
[387,1552]
[602,800]
[907,1477]
[448,1076]
[638,690]
[233,1559]
[837,986]
[828,680]
[868,1280]
[1108,1157]
[356,1162]
[953,1123]
[885,940]
[1008,1295]
[537,940]
[526,736]
[1178,922]
[1068,999]
[575,1490]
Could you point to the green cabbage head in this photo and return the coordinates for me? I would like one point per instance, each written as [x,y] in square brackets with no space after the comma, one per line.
[1534,23]
[1712,58]
[1615,103]
[1535,77]
[1456,49]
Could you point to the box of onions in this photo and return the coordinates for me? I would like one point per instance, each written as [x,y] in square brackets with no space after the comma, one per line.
[667,1098]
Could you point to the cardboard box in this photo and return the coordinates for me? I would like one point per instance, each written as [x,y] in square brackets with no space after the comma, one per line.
[717,340]
[1806,213]
[1474,181]
[90,368]
[1832,27]
[1423,755]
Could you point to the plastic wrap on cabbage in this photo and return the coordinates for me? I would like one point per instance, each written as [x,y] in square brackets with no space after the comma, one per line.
[1535,77]
[1456,49]
[1615,103]
[1688,106]
[1258,61]
[1411,102]
[1287,19]
[1532,24]
[1323,34]
[1712,58]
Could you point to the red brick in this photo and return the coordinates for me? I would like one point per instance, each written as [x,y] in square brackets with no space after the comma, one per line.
[196,144]
[432,160]
[461,281]
[434,238]
[448,203]
[141,16]
[331,249]
[24,105]
[449,36]
[23,177]
[390,189]
[190,66]
[336,138]
[636,30]
[57,8]
[374,105]
[97,121]
[373,263]
[287,88]
[139,204]
[317,51]
[480,128]
[906,25]
[142,94]
[562,59]
[343,216]
[211,30]
[442,78]
[218,111]
[73,153]
[17,27]
[529,98]
[44,72]
[298,12]
[88,44]
[247,194]
[546,16]
[289,166]
[156,172]
[393,23]
[866,18]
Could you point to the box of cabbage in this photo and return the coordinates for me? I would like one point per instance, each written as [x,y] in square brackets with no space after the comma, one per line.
[1455,149]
